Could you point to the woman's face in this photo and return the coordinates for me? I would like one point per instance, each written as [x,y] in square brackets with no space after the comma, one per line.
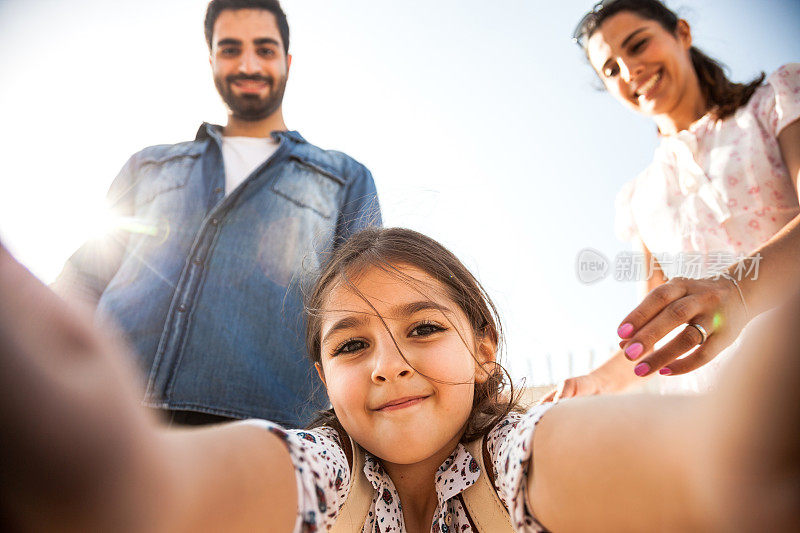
[643,65]
[381,398]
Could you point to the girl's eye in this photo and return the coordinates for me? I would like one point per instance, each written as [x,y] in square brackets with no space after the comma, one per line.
[425,329]
[349,346]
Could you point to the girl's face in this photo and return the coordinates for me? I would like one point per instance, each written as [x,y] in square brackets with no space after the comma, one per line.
[643,65]
[385,403]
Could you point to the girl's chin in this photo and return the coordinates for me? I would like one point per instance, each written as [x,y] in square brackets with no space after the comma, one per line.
[403,450]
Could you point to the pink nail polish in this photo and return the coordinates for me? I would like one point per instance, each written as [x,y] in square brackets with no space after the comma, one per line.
[625,330]
[665,371]
[641,369]
[634,350]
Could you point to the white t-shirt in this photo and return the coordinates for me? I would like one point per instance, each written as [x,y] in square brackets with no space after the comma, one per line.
[242,155]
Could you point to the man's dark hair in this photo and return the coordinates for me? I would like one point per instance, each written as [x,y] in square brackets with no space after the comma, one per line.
[215,7]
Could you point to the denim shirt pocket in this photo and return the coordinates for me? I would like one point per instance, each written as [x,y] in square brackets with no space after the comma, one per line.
[159,176]
[309,186]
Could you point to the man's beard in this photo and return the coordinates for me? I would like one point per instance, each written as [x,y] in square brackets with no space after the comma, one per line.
[251,107]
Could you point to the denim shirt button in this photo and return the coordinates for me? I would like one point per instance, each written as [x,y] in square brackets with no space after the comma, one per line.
[181,308]
[217,190]
[214,221]
[197,261]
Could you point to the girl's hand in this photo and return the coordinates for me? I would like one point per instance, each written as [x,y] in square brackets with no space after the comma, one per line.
[585,385]
[714,314]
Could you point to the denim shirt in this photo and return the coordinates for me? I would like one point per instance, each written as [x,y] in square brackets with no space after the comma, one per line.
[207,287]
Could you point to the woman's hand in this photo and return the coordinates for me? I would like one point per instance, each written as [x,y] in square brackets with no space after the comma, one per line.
[713,310]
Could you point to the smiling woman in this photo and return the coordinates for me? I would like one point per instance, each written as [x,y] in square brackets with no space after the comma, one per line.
[719,202]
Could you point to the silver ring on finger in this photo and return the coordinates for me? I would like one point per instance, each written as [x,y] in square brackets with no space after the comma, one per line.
[702,330]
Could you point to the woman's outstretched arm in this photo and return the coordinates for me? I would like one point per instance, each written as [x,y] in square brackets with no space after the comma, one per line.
[729,461]
[721,306]
[70,415]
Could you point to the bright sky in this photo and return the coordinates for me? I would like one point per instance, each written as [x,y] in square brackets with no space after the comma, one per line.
[480,122]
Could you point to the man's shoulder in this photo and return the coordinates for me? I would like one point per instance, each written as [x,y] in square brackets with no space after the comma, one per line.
[160,153]
[332,162]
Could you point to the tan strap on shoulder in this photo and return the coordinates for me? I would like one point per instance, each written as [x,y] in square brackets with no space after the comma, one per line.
[353,513]
[481,500]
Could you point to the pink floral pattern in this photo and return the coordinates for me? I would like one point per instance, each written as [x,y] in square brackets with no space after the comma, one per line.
[720,186]
[323,478]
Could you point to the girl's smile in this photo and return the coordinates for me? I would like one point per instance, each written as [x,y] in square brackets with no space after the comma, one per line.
[398,364]
[401,403]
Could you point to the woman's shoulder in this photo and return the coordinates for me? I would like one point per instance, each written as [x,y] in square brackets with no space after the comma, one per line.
[786,74]
[777,102]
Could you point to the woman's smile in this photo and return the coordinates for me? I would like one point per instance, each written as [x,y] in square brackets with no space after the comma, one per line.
[648,89]
[648,68]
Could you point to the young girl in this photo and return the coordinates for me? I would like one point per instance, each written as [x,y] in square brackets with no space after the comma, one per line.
[722,186]
[406,342]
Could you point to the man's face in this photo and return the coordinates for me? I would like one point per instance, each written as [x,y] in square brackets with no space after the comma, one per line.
[249,64]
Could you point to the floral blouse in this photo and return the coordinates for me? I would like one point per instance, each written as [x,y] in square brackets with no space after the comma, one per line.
[323,478]
[720,188]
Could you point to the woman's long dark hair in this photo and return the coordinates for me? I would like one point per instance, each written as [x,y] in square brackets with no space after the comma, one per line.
[385,248]
[723,96]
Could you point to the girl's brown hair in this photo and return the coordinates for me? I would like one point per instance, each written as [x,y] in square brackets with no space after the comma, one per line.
[722,95]
[385,248]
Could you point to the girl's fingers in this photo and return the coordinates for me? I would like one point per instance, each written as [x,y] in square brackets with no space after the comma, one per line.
[685,341]
[681,311]
[549,397]
[652,305]
[566,389]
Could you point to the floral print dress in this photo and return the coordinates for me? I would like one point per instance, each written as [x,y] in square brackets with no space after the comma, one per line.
[323,478]
[720,187]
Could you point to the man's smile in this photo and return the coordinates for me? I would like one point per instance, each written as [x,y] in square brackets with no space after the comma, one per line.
[249,85]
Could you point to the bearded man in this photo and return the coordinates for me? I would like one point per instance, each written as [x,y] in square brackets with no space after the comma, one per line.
[202,273]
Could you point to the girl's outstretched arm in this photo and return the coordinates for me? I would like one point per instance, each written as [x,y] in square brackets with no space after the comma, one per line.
[618,463]
[728,461]
[79,453]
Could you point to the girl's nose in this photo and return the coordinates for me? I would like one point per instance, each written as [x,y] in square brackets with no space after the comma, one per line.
[389,363]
